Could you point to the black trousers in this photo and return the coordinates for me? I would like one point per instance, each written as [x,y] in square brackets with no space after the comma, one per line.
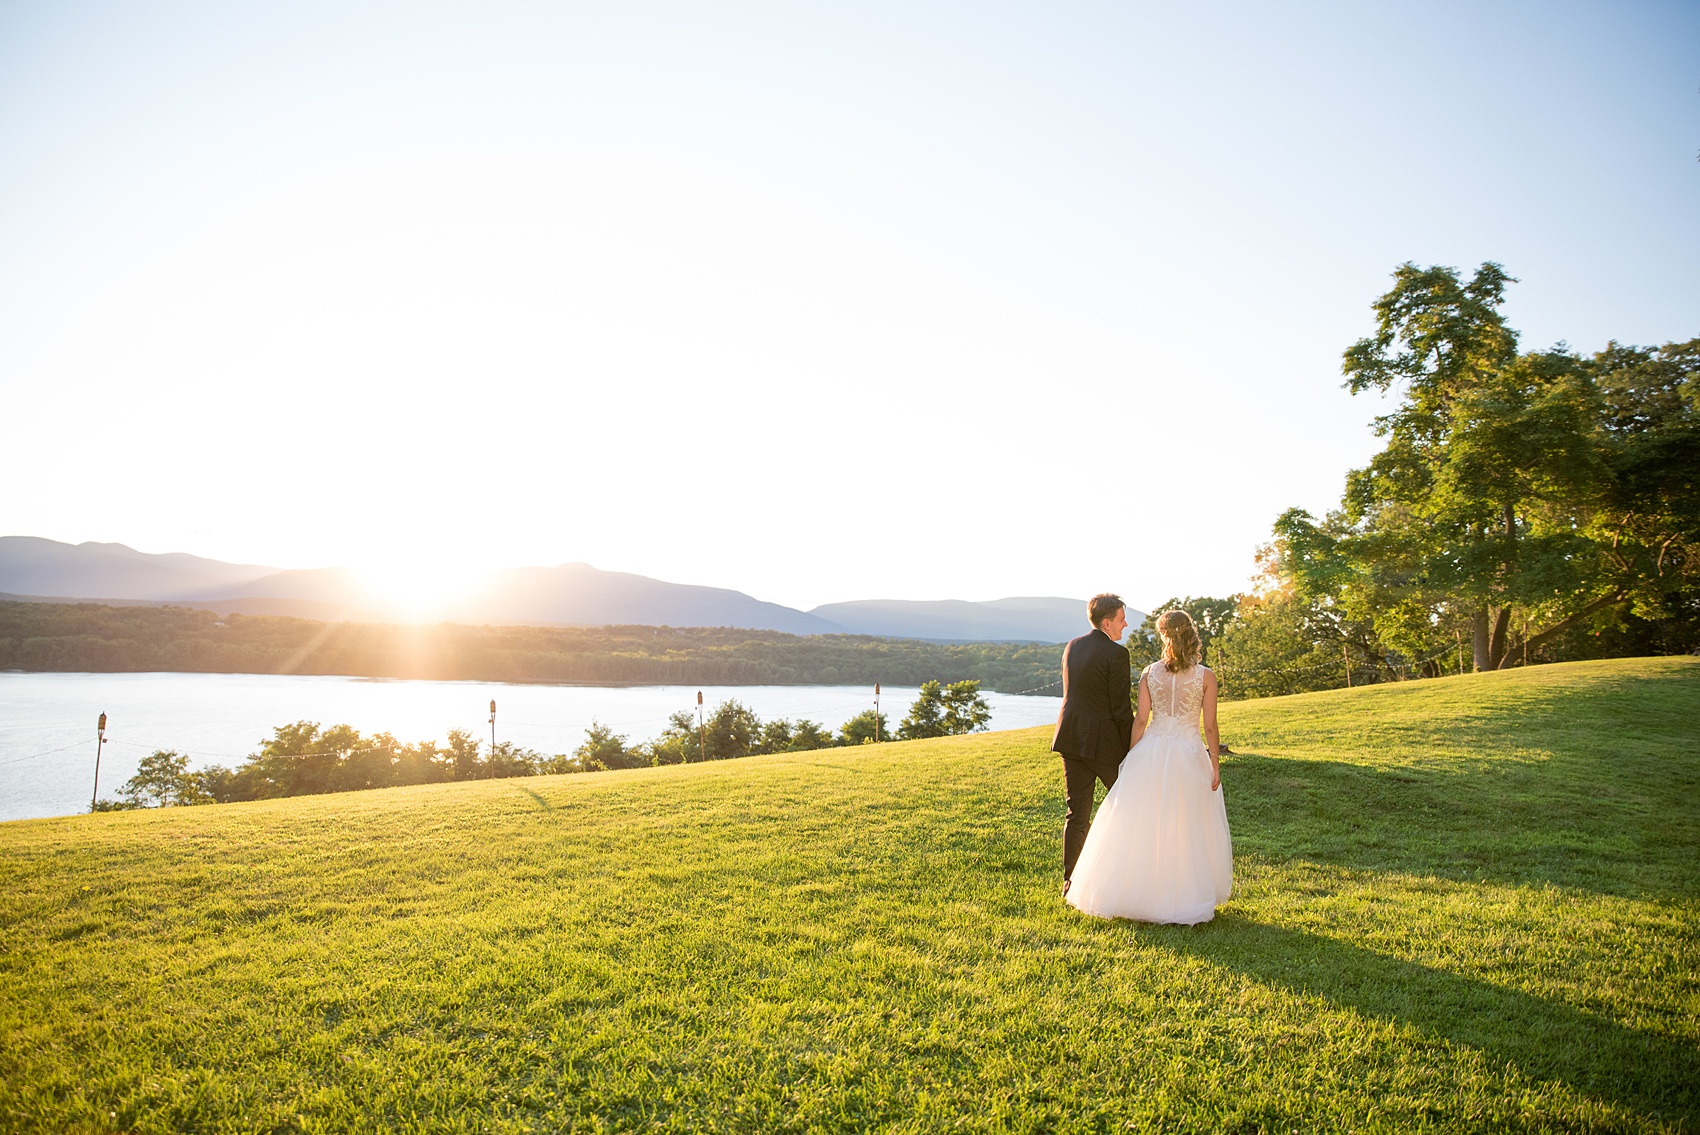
[1079,778]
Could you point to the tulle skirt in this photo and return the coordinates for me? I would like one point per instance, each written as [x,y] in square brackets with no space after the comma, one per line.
[1158,850]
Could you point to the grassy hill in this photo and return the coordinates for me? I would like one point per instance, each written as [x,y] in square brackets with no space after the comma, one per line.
[1464,904]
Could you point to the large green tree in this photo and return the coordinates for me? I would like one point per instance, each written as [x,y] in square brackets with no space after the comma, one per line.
[1511,501]
[1647,520]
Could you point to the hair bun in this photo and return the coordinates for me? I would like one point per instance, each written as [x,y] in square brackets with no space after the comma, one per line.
[1181,647]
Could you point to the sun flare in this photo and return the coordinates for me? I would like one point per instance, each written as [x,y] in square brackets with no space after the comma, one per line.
[422,587]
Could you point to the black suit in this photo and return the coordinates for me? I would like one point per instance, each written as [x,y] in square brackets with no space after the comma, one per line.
[1093,728]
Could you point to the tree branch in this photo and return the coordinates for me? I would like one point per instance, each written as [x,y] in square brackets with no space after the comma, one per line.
[1571,619]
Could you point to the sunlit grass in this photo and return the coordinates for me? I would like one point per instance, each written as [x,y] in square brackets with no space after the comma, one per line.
[1467,904]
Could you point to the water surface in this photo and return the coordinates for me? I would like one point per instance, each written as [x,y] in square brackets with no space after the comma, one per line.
[47,721]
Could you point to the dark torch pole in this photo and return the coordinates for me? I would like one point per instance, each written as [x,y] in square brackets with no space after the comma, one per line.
[702,731]
[100,741]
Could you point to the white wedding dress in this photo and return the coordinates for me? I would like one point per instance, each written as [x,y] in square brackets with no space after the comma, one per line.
[1159,850]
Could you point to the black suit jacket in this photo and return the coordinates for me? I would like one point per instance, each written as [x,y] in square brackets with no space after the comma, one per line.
[1097,714]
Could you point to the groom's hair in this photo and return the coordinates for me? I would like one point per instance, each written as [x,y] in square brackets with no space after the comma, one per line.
[1101,607]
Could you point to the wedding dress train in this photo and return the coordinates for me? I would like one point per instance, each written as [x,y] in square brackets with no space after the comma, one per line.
[1159,849]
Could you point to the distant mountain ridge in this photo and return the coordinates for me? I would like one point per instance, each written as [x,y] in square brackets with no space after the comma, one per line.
[1020,619]
[30,565]
[565,595]
[581,595]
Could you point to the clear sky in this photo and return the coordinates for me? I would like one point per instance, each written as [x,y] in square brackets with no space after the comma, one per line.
[816,301]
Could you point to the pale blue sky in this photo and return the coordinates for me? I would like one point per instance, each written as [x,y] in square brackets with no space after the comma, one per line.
[815,301]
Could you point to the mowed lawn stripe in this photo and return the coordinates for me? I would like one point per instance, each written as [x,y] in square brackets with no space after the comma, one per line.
[1463,904]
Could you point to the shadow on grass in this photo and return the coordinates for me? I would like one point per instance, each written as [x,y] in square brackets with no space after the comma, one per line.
[542,804]
[1620,823]
[1543,1040]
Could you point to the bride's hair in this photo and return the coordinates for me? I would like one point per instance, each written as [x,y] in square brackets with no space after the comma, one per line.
[1181,648]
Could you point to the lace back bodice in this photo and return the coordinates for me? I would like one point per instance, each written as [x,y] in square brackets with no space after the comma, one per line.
[1177,700]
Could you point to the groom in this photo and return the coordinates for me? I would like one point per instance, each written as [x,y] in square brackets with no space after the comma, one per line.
[1095,727]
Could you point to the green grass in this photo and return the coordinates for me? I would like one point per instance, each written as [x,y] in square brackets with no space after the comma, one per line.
[1464,904]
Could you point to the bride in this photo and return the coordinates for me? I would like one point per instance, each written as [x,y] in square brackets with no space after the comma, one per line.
[1159,849]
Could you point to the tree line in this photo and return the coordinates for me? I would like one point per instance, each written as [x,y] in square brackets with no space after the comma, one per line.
[303,758]
[1528,506]
[98,638]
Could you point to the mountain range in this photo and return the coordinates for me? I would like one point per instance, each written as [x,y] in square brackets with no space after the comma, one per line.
[36,569]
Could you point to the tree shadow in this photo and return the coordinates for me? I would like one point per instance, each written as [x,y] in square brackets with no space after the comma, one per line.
[1620,824]
[1544,1040]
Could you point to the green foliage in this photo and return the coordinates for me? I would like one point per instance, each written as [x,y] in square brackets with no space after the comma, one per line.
[783,736]
[864,729]
[965,711]
[1278,643]
[926,715]
[1465,905]
[807,735]
[95,638]
[1519,497]
[731,731]
[505,759]
[1649,514]
[734,730]
[460,759]
[1435,338]
[602,748]
[680,742]
[163,780]
[305,759]
[945,711]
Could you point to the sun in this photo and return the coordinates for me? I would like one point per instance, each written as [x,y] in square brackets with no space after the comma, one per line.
[418,588]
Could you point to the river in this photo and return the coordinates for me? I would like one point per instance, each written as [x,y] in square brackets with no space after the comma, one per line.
[47,721]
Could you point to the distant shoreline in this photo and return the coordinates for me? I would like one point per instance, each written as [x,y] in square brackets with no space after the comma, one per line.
[468,681]
[95,638]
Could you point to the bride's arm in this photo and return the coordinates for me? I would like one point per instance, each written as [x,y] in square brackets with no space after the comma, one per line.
[1141,716]
[1210,732]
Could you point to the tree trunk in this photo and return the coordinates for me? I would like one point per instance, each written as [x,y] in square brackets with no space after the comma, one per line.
[1479,639]
[1500,649]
